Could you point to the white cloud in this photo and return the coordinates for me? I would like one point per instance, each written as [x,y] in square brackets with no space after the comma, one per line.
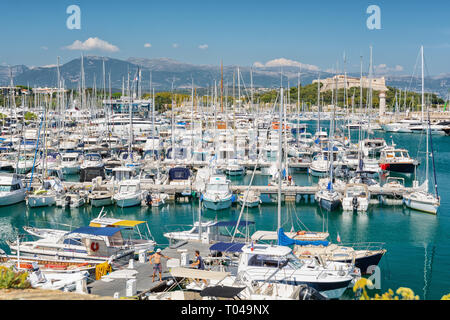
[92,44]
[175,45]
[283,62]
[384,69]
[147,45]
[203,46]
[44,48]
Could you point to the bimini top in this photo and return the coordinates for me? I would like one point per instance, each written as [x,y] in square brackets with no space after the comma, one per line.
[106,231]
[227,247]
[111,222]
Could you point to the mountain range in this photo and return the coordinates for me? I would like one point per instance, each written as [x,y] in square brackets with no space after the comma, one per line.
[167,72]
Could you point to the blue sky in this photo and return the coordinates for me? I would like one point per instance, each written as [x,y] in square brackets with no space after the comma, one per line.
[237,32]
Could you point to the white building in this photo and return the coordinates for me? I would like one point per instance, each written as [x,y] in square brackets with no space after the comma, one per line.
[378,84]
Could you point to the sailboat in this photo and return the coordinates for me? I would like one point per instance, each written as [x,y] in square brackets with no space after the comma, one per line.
[276,263]
[329,199]
[423,200]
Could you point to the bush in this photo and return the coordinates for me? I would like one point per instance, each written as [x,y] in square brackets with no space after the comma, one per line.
[9,279]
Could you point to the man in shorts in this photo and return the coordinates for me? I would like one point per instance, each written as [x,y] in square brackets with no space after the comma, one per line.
[158,266]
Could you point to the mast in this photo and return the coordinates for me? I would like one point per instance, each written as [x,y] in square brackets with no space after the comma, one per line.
[423,103]
[279,158]
[423,83]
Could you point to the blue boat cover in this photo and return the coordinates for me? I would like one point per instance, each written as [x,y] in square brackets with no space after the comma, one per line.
[242,223]
[284,240]
[97,231]
[179,173]
[227,247]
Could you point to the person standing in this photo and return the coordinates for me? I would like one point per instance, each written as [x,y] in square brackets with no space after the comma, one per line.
[199,263]
[158,266]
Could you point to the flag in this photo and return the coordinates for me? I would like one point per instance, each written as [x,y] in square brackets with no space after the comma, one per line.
[338,238]
[445,107]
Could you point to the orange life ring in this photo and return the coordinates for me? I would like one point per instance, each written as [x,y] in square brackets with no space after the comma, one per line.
[301,233]
[94,246]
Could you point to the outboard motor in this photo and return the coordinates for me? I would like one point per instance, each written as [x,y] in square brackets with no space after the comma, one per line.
[148,199]
[355,203]
[67,201]
[308,293]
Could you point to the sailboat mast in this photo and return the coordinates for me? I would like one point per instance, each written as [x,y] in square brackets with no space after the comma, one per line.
[280,130]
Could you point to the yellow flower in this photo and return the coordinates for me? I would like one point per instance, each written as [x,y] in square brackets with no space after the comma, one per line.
[361,284]
[446,297]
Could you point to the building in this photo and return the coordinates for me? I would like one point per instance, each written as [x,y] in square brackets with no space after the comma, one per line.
[378,84]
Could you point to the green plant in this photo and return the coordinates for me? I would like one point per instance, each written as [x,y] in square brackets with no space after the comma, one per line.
[9,279]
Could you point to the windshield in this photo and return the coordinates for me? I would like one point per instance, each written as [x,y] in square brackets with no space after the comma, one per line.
[217,188]
[128,188]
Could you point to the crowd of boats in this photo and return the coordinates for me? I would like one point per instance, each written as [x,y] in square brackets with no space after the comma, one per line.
[116,152]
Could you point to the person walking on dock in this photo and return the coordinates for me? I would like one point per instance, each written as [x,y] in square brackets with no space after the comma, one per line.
[158,266]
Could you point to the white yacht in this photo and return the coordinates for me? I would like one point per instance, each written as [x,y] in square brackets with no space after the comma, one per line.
[11,189]
[268,263]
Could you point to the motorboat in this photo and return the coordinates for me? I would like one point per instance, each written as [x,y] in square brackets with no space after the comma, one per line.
[356,198]
[397,160]
[217,195]
[12,190]
[86,244]
[129,194]
[70,163]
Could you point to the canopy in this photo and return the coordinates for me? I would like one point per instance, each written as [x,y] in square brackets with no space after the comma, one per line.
[198,274]
[284,240]
[227,247]
[95,231]
[115,222]
[242,223]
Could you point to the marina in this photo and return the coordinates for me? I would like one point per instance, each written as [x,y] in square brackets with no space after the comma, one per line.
[137,178]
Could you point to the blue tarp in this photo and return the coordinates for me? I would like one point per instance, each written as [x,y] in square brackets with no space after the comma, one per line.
[242,223]
[227,247]
[96,231]
[284,240]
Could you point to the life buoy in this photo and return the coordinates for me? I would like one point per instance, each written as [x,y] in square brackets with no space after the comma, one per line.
[94,246]
[301,233]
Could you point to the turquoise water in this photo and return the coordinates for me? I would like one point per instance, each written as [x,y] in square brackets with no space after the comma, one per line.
[418,244]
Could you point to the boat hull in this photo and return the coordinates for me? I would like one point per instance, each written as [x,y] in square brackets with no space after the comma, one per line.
[11,198]
[35,202]
[217,205]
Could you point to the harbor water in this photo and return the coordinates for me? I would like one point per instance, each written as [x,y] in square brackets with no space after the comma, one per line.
[418,244]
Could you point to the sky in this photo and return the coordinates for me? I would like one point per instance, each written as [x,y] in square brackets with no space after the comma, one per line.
[245,32]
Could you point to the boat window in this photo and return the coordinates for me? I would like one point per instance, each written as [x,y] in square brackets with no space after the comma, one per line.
[5,188]
[15,187]
[268,261]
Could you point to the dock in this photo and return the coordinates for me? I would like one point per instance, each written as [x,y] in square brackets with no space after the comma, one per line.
[143,273]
